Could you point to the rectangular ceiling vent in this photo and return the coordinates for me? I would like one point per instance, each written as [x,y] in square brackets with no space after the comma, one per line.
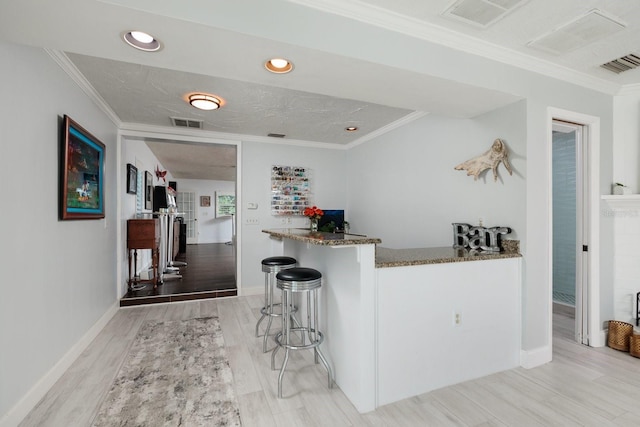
[627,62]
[186,123]
[482,13]
[593,26]
[276,135]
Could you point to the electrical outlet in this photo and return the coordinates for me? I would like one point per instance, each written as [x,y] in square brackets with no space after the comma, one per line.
[457,318]
[252,221]
[289,220]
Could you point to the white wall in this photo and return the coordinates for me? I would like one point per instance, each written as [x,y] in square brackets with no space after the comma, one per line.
[626,136]
[210,228]
[327,186]
[402,186]
[136,152]
[59,277]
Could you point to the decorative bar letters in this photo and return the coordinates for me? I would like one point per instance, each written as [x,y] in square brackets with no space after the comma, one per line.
[478,238]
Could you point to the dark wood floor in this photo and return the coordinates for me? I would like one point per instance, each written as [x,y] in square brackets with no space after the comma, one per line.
[210,273]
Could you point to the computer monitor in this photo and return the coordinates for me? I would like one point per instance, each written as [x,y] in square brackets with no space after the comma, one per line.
[332,221]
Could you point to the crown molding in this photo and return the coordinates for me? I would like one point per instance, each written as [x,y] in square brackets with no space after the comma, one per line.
[192,135]
[629,89]
[68,67]
[388,128]
[392,21]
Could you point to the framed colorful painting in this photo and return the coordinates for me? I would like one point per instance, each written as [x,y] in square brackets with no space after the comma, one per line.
[81,173]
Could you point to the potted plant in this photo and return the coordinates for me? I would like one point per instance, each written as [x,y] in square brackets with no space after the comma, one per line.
[620,189]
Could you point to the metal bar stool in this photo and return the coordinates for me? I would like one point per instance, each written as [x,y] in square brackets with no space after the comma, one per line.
[271,266]
[299,280]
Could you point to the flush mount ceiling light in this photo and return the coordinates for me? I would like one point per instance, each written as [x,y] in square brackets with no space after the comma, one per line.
[204,101]
[351,128]
[142,41]
[278,65]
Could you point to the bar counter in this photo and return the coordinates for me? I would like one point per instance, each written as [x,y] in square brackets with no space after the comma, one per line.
[387,257]
[321,237]
[402,322]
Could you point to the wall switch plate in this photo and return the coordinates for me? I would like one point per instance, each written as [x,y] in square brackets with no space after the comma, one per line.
[252,206]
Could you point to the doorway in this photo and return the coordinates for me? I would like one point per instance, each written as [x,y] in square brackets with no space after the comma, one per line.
[568,189]
[574,152]
[198,170]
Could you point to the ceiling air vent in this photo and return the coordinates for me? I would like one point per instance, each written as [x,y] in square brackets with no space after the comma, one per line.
[628,62]
[276,135]
[481,12]
[588,28]
[186,123]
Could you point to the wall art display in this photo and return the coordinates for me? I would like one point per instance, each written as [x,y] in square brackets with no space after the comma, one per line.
[132,179]
[225,204]
[205,201]
[148,190]
[81,173]
[290,190]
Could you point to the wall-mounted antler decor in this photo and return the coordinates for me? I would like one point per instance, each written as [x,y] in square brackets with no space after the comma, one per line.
[488,160]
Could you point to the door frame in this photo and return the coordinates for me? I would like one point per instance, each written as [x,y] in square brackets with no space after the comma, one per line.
[591,203]
[134,131]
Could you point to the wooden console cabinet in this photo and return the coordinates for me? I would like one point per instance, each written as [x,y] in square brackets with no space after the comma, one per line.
[143,234]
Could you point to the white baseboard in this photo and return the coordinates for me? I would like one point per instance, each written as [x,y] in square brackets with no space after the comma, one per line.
[21,409]
[536,357]
[254,290]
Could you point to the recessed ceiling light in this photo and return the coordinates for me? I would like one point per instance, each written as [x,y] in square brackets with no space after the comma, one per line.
[205,101]
[278,65]
[351,128]
[141,40]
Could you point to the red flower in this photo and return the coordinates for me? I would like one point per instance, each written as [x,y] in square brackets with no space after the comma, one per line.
[313,212]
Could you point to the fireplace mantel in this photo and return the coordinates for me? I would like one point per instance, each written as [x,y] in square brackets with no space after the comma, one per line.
[623,201]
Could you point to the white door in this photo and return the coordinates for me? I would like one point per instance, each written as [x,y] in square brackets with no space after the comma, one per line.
[186,202]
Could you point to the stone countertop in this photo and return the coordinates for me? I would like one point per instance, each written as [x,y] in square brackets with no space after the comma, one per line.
[386,257]
[321,237]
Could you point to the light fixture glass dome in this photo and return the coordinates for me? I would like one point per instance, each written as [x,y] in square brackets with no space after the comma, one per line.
[204,101]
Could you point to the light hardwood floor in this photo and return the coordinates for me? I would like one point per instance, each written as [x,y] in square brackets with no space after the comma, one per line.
[581,387]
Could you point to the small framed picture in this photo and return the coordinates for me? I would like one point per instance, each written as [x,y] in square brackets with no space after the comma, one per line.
[205,201]
[132,179]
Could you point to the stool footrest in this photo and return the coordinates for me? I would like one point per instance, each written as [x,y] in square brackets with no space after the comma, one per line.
[312,344]
[265,310]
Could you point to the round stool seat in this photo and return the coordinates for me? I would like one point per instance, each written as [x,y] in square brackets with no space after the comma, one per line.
[275,263]
[299,279]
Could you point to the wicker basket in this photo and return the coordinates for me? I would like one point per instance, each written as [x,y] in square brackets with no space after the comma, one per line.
[634,345]
[619,334]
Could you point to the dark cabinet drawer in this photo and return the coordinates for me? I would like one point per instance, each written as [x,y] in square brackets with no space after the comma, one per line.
[143,233]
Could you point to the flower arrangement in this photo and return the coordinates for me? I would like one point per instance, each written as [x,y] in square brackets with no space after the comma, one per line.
[313,212]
